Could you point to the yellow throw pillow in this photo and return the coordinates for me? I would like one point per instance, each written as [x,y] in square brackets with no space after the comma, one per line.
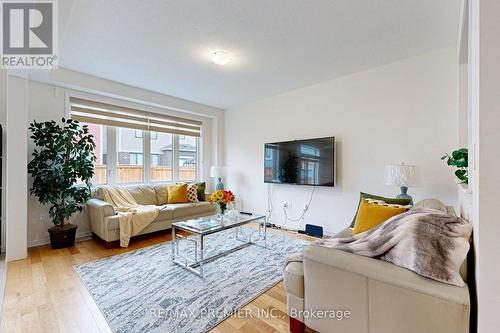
[177,193]
[371,215]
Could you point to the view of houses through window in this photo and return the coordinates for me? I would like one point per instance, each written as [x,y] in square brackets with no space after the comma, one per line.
[187,157]
[130,161]
[101,153]
[161,157]
[129,149]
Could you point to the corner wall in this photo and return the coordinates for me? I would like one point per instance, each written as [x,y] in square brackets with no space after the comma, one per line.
[484,99]
[16,157]
[404,111]
[45,99]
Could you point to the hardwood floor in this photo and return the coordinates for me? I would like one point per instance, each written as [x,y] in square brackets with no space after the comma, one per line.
[44,294]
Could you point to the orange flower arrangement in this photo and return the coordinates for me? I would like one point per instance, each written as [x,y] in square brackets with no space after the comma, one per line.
[221,198]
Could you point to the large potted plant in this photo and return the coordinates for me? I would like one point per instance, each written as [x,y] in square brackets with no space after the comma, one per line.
[62,167]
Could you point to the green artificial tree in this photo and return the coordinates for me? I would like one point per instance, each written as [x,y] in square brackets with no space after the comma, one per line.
[62,168]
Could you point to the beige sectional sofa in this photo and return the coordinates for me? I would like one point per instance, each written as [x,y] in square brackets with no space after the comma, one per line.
[380,297]
[104,222]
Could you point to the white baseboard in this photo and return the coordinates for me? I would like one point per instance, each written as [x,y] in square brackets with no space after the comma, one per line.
[80,236]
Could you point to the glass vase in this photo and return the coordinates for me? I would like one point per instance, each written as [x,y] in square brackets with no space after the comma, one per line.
[222,210]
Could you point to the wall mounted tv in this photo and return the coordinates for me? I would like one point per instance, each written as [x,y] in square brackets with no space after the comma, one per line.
[300,162]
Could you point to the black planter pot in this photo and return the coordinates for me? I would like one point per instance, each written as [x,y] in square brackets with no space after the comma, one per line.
[61,237]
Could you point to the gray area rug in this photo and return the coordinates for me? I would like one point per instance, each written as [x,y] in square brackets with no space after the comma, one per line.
[143,291]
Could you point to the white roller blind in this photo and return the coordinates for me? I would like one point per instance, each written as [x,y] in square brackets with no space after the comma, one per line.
[89,111]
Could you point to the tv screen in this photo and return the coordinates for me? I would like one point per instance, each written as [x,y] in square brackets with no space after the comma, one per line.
[301,162]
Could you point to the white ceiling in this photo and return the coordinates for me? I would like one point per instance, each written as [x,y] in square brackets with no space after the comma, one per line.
[279,45]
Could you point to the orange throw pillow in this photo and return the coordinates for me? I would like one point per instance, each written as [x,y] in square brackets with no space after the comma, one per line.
[371,215]
[178,193]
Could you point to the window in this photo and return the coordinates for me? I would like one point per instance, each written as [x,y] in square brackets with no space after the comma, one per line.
[188,158]
[136,159]
[101,143]
[137,146]
[161,158]
[130,162]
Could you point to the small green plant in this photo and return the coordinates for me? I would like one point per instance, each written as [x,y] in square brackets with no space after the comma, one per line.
[63,156]
[460,159]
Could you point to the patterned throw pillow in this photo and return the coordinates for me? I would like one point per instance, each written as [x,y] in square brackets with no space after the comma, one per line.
[383,203]
[192,193]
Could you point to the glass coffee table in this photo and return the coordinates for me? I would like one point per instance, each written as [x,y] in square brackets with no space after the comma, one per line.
[208,225]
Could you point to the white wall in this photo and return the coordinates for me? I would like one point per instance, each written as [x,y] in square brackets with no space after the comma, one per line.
[47,101]
[3,121]
[484,79]
[16,168]
[405,111]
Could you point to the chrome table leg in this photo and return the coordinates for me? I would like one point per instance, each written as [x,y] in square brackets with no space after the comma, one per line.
[201,255]
[174,242]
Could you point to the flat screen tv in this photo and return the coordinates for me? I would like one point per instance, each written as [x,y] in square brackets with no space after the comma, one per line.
[300,162]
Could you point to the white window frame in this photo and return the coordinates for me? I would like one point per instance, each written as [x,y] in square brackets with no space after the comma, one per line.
[112,151]
[112,158]
[198,159]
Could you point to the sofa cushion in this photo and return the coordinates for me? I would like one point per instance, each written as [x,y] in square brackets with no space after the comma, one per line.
[293,275]
[177,193]
[294,279]
[363,195]
[113,222]
[192,192]
[201,191]
[166,213]
[161,194]
[96,192]
[431,204]
[143,194]
[190,209]
[371,215]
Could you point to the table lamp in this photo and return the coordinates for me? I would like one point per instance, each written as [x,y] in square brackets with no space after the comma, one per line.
[401,175]
[218,172]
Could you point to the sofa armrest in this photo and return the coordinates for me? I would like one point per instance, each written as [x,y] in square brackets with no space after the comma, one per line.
[103,207]
[370,288]
[98,210]
[379,270]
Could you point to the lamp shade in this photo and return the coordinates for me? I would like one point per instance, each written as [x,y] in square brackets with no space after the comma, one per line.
[400,175]
[217,172]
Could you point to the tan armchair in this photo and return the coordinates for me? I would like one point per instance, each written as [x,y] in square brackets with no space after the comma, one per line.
[336,291]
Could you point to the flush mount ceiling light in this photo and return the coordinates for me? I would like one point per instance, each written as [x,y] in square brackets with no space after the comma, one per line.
[221,57]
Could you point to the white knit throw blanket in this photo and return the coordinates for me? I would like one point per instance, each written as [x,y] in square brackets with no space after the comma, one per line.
[132,217]
[429,242]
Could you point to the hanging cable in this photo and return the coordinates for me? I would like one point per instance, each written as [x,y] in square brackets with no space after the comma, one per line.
[269,201]
[304,211]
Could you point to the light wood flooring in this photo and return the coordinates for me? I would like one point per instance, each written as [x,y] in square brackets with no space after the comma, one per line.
[44,294]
